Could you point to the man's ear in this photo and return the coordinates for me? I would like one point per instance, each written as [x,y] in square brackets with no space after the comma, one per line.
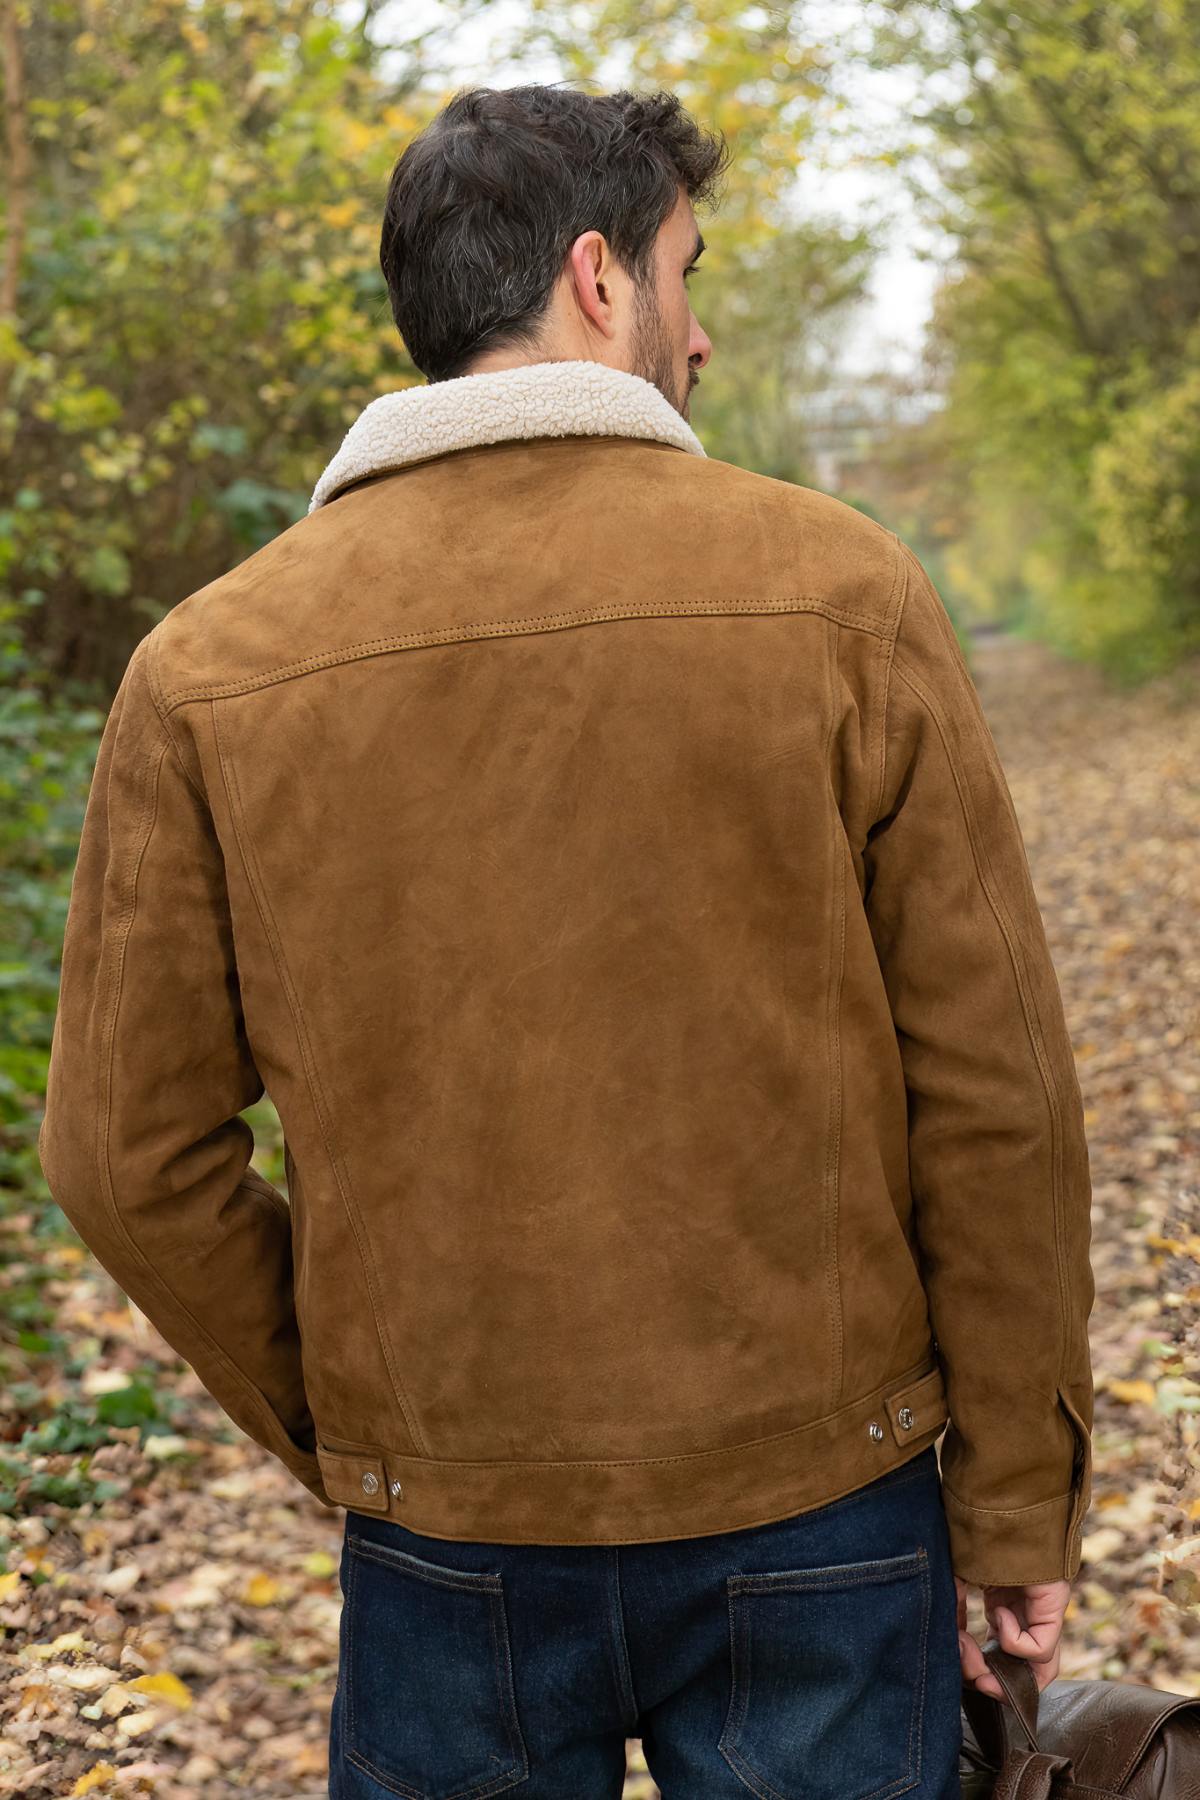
[590,270]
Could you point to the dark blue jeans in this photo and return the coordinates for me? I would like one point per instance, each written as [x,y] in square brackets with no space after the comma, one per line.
[812,1658]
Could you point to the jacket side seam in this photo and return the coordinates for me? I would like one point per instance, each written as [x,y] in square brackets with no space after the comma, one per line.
[312,1074]
[147,820]
[1028,1005]
[488,628]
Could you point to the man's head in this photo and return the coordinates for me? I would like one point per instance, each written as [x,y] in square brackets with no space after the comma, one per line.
[539,223]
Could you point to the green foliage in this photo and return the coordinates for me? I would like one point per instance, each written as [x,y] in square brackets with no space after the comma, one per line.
[66,1437]
[47,752]
[1145,492]
[201,310]
[1068,148]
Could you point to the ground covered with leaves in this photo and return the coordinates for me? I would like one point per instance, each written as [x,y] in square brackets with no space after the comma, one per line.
[169,1597]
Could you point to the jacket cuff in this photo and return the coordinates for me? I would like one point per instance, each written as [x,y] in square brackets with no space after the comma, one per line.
[1017,1546]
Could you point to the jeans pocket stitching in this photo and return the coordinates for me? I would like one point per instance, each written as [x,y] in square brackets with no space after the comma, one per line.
[912,1563]
[506,1688]
[739,1671]
[491,1586]
[470,1580]
[348,1608]
[831,1575]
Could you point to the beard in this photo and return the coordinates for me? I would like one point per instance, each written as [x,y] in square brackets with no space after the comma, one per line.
[653,353]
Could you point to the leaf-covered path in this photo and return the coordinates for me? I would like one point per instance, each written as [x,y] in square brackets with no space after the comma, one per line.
[176,1635]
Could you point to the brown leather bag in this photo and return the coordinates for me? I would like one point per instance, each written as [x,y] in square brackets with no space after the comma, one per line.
[1077,1740]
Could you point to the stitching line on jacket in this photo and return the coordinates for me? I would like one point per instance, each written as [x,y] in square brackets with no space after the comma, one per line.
[1033,1023]
[1010,1512]
[320,1106]
[971,695]
[153,646]
[485,628]
[894,1387]
[833,989]
[147,819]
[888,647]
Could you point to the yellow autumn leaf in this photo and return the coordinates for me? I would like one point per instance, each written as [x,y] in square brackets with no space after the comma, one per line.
[97,1776]
[1132,1391]
[164,1686]
[9,1585]
[319,1562]
[261,1590]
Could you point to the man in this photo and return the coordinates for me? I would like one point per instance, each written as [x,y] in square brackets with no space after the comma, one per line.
[599,853]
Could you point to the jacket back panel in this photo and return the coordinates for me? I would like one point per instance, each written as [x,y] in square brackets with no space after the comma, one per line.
[542,774]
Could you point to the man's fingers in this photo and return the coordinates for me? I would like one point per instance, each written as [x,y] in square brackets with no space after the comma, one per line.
[1037,1642]
[1039,1645]
[975,1667]
[1026,1622]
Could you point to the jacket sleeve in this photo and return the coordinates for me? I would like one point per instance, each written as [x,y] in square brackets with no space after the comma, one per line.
[141,1143]
[998,1158]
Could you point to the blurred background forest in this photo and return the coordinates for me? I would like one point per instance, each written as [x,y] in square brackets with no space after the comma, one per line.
[192,313]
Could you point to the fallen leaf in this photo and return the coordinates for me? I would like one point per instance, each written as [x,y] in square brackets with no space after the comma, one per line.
[165,1685]
[96,1776]
[261,1590]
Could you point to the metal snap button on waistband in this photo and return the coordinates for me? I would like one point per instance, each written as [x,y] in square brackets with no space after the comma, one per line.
[876,1430]
[370,1483]
[905,1417]
[397,1489]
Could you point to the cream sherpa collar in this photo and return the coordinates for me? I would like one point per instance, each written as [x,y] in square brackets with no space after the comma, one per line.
[545,399]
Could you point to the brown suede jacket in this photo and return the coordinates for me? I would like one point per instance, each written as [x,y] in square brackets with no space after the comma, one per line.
[599,854]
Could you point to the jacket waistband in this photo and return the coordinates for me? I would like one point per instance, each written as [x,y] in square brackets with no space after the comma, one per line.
[646,1499]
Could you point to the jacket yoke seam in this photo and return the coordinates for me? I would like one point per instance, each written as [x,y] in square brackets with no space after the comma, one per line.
[312,1074]
[147,819]
[455,634]
[1033,1024]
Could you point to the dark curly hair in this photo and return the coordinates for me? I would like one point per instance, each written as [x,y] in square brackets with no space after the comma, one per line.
[484,204]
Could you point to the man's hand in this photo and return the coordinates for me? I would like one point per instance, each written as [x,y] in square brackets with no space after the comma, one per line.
[1027,1621]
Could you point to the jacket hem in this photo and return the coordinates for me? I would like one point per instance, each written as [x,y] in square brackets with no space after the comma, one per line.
[644,1499]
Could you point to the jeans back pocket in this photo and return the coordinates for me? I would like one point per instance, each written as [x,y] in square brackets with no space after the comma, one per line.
[430,1706]
[828,1679]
